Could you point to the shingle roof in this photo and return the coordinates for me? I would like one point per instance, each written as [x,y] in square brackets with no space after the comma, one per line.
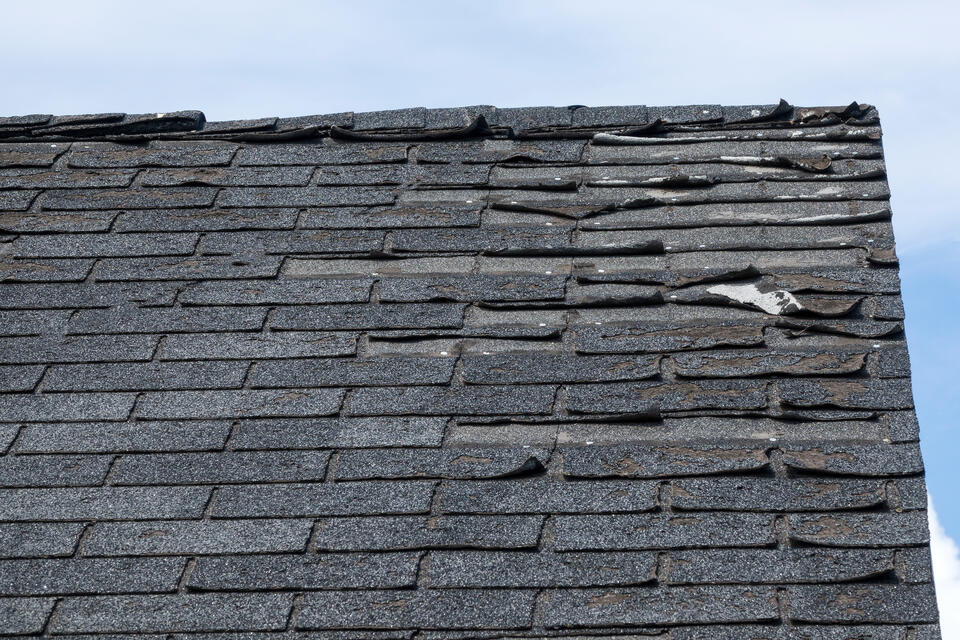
[457,373]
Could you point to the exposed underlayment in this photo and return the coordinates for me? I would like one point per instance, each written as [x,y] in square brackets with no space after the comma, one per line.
[477,373]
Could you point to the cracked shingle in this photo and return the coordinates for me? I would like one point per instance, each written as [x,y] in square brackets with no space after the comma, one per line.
[457,373]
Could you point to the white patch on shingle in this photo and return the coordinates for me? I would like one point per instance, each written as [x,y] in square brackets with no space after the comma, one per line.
[773,302]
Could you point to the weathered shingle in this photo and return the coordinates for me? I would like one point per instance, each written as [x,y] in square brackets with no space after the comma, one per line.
[303,572]
[465,609]
[434,532]
[536,372]
[191,612]
[178,537]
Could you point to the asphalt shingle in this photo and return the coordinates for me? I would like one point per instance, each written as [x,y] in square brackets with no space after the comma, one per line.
[559,372]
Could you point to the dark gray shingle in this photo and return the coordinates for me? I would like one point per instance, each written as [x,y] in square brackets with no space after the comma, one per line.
[580,372]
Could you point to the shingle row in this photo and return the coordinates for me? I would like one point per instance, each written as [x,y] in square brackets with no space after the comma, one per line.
[294,490]
[490,609]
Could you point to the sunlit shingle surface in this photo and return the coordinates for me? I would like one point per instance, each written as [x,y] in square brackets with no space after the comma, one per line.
[457,373]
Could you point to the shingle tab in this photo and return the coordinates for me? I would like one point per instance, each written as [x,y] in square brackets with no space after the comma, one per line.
[393,217]
[474,569]
[148,198]
[119,437]
[85,295]
[172,537]
[293,242]
[474,287]
[655,531]
[302,197]
[253,177]
[876,603]
[331,153]
[454,463]
[185,268]
[850,394]
[860,529]
[221,468]
[739,364]
[379,316]
[24,615]
[340,432]
[163,320]
[145,376]
[244,346]
[23,350]
[537,368]
[488,239]
[342,498]
[65,406]
[204,220]
[644,461]
[639,397]
[865,460]
[34,154]
[19,377]
[188,612]
[77,576]
[761,494]
[488,151]
[284,292]
[317,372]
[434,532]
[46,270]
[16,200]
[326,571]
[105,245]
[8,432]
[36,540]
[676,337]
[487,400]
[448,609]
[690,605]
[53,471]
[244,403]
[540,495]
[159,154]
[102,503]
[776,566]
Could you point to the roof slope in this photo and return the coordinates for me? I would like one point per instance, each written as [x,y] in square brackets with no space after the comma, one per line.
[459,373]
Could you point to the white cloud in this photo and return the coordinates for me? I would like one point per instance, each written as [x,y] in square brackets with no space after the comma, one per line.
[946,575]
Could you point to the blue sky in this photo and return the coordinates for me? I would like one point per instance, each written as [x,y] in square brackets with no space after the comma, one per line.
[249,59]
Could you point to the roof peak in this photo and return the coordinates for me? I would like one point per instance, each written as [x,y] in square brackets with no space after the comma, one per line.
[419,123]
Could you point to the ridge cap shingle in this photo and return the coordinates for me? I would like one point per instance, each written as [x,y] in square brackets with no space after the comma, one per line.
[456,122]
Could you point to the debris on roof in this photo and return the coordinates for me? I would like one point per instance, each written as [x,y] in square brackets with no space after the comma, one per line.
[552,372]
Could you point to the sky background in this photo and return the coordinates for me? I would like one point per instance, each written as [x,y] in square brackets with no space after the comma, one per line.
[251,59]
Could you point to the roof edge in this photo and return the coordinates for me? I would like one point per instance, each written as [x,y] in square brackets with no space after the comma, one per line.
[417,124]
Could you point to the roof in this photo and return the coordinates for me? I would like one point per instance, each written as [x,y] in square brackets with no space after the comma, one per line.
[615,372]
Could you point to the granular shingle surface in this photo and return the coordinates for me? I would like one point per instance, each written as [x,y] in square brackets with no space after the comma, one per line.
[473,373]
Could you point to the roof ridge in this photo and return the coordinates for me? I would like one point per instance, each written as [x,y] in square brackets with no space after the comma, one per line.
[419,123]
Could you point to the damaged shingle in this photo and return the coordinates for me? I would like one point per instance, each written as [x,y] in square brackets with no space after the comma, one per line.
[739,364]
[639,461]
[465,374]
[453,463]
